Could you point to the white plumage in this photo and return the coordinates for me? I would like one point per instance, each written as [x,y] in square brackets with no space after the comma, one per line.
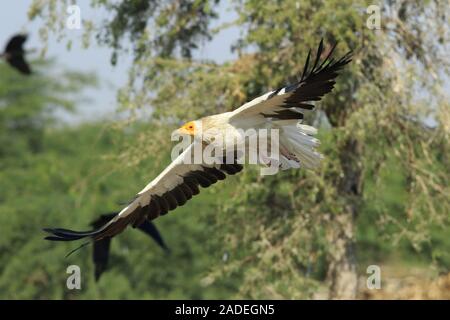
[281,109]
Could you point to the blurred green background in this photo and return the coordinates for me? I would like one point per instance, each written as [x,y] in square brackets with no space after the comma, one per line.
[289,236]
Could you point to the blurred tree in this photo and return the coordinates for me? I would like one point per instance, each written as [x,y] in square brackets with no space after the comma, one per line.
[298,227]
[29,104]
[70,182]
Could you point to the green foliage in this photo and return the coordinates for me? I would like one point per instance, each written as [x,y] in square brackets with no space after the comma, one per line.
[27,104]
[69,184]
[167,27]
[290,232]
[73,180]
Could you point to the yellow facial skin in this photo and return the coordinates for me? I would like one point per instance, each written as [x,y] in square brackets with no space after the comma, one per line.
[188,129]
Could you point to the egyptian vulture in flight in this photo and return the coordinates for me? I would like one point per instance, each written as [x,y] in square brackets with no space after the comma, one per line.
[280,109]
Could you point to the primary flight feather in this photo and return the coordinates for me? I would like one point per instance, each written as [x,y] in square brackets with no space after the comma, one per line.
[281,109]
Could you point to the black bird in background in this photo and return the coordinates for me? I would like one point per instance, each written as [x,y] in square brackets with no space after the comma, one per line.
[14,54]
[100,253]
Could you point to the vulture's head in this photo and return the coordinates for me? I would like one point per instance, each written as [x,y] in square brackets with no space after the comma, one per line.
[190,128]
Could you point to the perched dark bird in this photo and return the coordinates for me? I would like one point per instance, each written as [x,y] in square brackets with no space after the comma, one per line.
[100,253]
[14,54]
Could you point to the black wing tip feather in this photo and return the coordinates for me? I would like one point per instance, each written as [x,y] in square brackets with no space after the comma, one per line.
[305,68]
[327,63]
[320,79]
[316,80]
[59,234]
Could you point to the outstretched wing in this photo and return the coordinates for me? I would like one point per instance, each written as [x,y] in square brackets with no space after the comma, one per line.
[178,183]
[288,102]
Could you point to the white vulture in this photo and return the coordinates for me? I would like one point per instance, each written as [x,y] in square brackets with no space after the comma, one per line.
[281,109]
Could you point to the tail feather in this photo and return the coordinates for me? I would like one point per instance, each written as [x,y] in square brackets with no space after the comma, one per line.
[97,234]
[298,147]
[58,234]
[56,238]
[300,137]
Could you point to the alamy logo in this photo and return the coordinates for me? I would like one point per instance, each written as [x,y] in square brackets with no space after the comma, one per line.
[73,21]
[232,146]
[374,280]
[74,280]
[374,20]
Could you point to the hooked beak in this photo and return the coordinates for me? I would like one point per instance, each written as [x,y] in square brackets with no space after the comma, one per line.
[180,132]
[183,131]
